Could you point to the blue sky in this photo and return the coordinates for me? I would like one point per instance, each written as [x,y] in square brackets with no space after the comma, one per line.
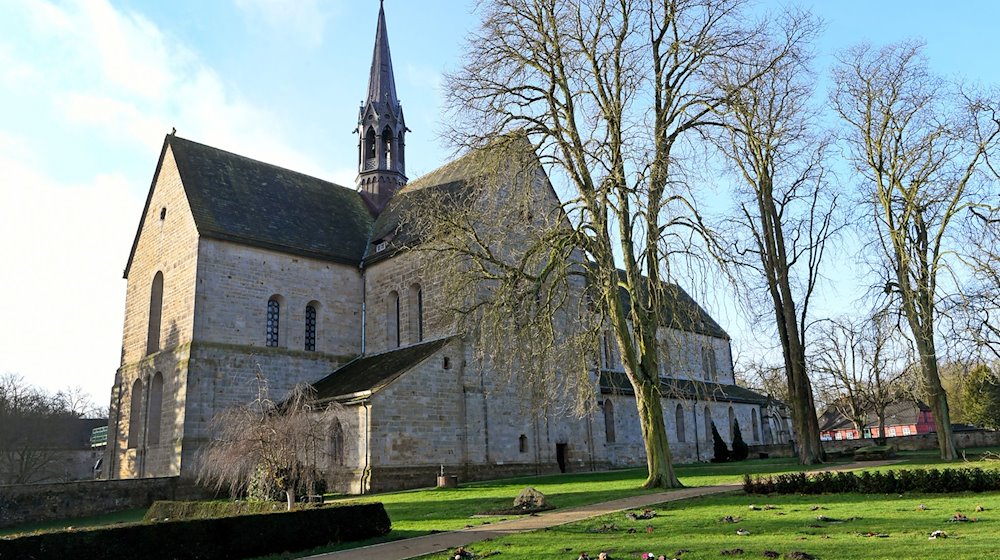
[88,88]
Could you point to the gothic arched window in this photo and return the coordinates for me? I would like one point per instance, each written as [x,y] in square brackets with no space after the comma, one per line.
[679,422]
[392,320]
[273,321]
[155,413]
[337,444]
[522,443]
[134,415]
[155,314]
[387,147]
[310,344]
[609,421]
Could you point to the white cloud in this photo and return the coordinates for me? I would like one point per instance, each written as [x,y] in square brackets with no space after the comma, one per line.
[299,20]
[65,247]
[118,81]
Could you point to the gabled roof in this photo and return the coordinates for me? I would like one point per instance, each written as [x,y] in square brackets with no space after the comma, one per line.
[369,374]
[235,198]
[615,382]
[903,412]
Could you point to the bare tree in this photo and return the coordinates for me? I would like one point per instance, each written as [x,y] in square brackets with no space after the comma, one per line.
[32,422]
[267,445]
[920,145]
[606,91]
[863,363]
[786,213]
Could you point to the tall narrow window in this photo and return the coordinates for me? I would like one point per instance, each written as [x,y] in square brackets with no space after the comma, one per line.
[273,318]
[609,420]
[310,344]
[708,424]
[713,364]
[755,425]
[387,147]
[679,422]
[337,444]
[369,147]
[522,444]
[155,314]
[704,363]
[155,409]
[416,313]
[134,415]
[392,320]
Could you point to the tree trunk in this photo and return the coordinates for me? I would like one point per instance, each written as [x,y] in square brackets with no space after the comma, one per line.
[939,401]
[810,449]
[658,461]
[290,497]
[881,429]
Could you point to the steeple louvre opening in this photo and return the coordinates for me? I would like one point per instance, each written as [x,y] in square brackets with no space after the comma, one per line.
[381,167]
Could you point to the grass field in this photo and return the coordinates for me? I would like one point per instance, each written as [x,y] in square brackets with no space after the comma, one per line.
[849,531]
[420,512]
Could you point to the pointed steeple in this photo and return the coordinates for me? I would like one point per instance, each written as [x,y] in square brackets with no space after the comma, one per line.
[381,83]
[381,129]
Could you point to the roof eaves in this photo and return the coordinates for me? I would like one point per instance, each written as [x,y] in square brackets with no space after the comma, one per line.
[145,208]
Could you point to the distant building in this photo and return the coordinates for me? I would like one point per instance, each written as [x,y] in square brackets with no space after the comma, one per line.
[52,450]
[902,418]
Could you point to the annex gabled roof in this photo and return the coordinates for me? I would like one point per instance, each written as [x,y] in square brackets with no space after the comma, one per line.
[235,198]
[369,374]
[615,382]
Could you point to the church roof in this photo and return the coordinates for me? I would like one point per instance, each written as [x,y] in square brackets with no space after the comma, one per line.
[615,382]
[369,374]
[235,198]
[681,311]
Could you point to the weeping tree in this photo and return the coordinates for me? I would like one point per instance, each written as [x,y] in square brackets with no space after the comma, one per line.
[267,446]
[607,92]
[920,145]
[787,210]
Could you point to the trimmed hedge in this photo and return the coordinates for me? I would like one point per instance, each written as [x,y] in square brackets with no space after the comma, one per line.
[235,537]
[929,481]
[166,510]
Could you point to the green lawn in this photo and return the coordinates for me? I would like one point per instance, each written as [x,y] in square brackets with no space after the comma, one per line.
[420,512]
[696,525]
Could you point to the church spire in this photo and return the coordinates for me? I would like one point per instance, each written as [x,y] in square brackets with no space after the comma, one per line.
[381,128]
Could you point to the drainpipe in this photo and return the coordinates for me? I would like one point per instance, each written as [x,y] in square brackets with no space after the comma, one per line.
[364,307]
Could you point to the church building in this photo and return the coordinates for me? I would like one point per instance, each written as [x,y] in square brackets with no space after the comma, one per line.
[241,267]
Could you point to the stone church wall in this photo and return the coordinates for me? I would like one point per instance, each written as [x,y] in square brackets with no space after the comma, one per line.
[167,242]
[400,274]
[234,285]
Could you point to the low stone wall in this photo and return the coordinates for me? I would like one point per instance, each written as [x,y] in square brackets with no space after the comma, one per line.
[65,500]
[963,440]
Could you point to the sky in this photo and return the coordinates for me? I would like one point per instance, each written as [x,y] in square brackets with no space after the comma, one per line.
[89,88]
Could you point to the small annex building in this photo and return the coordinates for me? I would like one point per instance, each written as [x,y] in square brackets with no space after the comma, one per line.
[241,267]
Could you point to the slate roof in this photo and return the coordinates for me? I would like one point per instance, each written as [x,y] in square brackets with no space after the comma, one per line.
[898,413]
[369,374]
[235,198]
[448,180]
[680,311]
[615,382]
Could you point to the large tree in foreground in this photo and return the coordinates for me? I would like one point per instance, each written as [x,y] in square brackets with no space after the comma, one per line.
[607,92]
[786,210]
[920,144]
[266,446]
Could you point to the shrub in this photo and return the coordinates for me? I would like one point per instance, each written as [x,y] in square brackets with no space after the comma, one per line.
[720,451]
[740,449]
[920,481]
[243,536]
